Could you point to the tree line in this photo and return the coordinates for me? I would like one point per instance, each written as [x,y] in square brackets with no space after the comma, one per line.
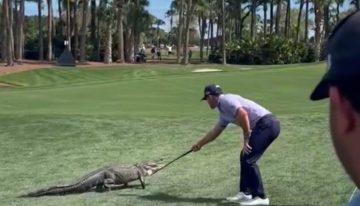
[115,30]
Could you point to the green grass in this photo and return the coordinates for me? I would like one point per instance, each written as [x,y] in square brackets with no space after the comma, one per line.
[59,124]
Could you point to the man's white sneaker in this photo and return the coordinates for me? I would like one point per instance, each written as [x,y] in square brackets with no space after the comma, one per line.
[239,197]
[256,201]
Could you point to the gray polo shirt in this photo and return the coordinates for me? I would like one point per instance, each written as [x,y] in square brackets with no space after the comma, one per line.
[229,103]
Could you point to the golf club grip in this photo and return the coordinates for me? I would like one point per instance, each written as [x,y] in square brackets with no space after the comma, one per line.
[173,160]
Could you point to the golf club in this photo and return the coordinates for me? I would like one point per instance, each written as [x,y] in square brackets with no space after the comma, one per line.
[167,164]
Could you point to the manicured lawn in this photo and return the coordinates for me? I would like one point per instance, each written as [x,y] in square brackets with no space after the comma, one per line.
[59,124]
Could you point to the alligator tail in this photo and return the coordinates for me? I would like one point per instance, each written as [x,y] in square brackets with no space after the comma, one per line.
[56,190]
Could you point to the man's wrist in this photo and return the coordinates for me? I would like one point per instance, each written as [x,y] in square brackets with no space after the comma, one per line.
[247,135]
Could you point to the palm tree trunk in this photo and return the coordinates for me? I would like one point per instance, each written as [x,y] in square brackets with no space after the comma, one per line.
[120,32]
[41,38]
[158,35]
[223,32]
[75,28]
[108,47]
[180,28]
[318,18]
[3,32]
[278,17]
[68,34]
[299,20]
[208,40]
[20,49]
[83,31]
[265,17]
[98,30]
[60,19]
[128,44]
[10,40]
[306,20]
[287,19]
[49,28]
[271,16]
[202,36]
[16,28]
[326,19]
[253,26]
[171,23]
[189,9]
[93,23]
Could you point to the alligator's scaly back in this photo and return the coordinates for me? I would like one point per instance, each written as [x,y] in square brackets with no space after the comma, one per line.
[99,178]
[83,184]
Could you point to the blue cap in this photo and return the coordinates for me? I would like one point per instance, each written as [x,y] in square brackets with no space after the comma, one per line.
[211,89]
[343,55]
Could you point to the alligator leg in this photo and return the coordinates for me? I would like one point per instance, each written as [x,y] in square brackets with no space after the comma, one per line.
[116,187]
[142,180]
[108,183]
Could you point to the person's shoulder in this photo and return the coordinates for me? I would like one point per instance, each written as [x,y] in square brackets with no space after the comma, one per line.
[229,97]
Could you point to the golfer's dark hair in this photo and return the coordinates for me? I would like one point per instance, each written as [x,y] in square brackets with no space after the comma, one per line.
[350,89]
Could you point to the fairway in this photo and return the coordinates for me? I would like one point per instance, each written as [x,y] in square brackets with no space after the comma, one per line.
[59,124]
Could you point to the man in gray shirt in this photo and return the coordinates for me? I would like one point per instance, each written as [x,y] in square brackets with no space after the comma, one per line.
[260,128]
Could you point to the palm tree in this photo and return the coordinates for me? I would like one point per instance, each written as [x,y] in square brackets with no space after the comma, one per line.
[326,9]
[223,32]
[299,20]
[20,32]
[180,28]
[171,13]
[306,35]
[158,23]
[7,9]
[137,21]
[271,16]
[265,7]
[202,11]
[278,16]
[253,19]
[74,28]
[287,18]
[49,28]
[120,31]
[60,2]
[318,4]
[189,11]
[85,5]
[93,23]
[68,34]
[108,15]
[41,39]
[3,31]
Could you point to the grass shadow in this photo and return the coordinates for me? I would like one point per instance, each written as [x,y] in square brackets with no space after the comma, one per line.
[175,199]
[90,190]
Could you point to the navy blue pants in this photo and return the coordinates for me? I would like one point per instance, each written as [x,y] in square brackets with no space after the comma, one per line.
[266,130]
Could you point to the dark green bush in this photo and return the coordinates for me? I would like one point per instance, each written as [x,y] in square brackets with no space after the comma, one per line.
[269,50]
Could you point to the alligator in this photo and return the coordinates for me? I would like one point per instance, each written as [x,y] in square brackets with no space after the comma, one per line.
[104,179]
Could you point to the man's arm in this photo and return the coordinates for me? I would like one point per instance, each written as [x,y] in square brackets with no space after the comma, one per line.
[243,120]
[211,135]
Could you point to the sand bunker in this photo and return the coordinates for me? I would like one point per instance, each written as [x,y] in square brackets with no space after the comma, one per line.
[207,70]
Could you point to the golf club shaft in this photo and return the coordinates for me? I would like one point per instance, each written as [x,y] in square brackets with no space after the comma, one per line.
[173,161]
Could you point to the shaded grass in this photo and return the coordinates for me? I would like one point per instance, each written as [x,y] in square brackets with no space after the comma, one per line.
[55,130]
